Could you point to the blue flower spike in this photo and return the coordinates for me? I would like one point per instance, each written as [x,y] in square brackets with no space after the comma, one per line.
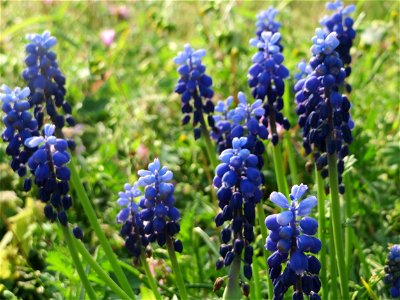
[238,182]
[266,22]
[223,124]
[292,242]
[266,75]
[324,113]
[45,81]
[341,23]
[195,88]
[392,270]
[154,217]
[48,166]
[19,126]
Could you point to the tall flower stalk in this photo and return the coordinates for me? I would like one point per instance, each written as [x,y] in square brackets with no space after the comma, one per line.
[238,182]
[325,119]
[153,219]
[48,162]
[195,88]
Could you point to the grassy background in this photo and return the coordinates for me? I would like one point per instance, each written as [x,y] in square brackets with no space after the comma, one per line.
[127,114]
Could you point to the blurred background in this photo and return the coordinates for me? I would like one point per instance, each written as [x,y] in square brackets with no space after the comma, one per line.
[117,58]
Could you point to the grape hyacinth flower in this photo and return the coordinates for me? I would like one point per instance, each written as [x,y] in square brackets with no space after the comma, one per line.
[19,126]
[157,209]
[238,182]
[48,165]
[195,85]
[266,22]
[45,80]
[247,121]
[341,23]
[265,77]
[291,239]
[133,227]
[223,123]
[323,111]
[392,270]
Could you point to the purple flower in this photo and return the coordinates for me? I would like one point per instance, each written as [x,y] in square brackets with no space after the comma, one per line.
[107,37]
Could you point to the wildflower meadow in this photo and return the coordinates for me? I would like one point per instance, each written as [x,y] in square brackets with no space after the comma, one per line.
[199,150]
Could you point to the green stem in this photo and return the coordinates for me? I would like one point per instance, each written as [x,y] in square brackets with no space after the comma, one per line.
[337,225]
[348,229]
[261,221]
[232,290]
[196,248]
[102,274]
[332,261]
[291,158]
[257,282]
[90,213]
[209,145]
[78,263]
[279,172]
[361,256]
[322,230]
[176,269]
[150,277]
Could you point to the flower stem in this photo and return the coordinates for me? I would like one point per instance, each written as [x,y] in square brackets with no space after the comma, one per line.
[102,274]
[257,282]
[348,229]
[336,223]
[150,277]
[90,213]
[322,230]
[232,290]
[279,172]
[332,260]
[261,220]
[291,158]
[176,269]
[209,146]
[78,263]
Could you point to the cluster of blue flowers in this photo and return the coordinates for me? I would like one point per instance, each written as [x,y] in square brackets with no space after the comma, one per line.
[238,182]
[323,111]
[265,77]
[45,80]
[266,22]
[392,270]
[223,124]
[195,85]
[19,126]
[341,23]
[243,121]
[48,164]
[290,238]
[154,218]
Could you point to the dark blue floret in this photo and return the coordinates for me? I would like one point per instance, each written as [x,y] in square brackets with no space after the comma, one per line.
[77,233]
